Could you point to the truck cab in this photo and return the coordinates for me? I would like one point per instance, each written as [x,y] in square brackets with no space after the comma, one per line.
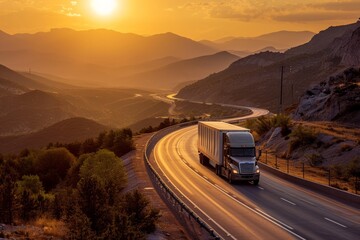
[240,162]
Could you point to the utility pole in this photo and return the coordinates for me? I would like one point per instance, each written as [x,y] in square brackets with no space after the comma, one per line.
[281,89]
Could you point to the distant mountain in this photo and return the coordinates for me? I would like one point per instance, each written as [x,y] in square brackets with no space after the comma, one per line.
[66,131]
[278,40]
[32,111]
[323,39]
[20,80]
[24,110]
[10,88]
[255,80]
[92,55]
[171,75]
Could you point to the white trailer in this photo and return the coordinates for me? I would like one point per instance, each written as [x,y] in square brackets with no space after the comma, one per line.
[229,149]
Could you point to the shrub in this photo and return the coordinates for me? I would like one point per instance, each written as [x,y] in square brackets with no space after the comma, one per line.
[52,166]
[263,124]
[301,136]
[315,159]
[284,122]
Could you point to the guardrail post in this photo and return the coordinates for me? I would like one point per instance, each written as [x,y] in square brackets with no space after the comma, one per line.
[266,157]
[287,166]
[276,165]
[303,169]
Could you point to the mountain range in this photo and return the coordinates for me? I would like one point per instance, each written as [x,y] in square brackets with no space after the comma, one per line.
[29,103]
[279,40]
[255,80]
[107,58]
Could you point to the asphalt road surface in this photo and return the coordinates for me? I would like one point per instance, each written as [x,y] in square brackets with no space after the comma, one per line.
[275,209]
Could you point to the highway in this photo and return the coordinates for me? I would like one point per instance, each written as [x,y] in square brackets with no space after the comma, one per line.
[275,209]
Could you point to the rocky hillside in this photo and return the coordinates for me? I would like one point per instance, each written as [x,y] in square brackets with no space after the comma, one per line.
[337,99]
[255,80]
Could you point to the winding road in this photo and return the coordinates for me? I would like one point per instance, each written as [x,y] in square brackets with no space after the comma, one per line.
[275,209]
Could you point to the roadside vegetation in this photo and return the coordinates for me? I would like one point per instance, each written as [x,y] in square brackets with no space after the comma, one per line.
[322,152]
[167,122]
[76,190]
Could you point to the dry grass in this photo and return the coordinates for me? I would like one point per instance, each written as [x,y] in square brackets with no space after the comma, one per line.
[51,227]
[333,129]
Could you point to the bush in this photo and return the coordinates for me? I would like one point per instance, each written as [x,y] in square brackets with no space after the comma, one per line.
[284,122]
[315,160]
[52,166]
[263,124]
[301,136]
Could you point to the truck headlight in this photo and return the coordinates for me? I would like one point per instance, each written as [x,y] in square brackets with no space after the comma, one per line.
[235,171]
[257,170]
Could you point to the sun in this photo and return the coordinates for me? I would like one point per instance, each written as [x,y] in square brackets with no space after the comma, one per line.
[103,7]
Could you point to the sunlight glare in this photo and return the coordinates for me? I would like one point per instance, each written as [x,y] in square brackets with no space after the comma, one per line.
[103,7]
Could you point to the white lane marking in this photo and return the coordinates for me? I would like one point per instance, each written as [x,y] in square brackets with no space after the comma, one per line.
[330,220]
[307,202]
[260,188]
[274,219]
[192,203]
[269,218]
[227,194]
[288,201]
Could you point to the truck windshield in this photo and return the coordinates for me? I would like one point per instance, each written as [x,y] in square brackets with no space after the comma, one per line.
[242,152]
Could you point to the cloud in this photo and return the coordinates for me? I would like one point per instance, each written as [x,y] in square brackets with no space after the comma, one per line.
[279,10]
[232,13]
[57,6]
[350,6]
[314,17]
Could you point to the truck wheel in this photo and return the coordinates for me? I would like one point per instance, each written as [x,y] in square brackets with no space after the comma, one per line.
[201,157]
[256,182]
[217,169]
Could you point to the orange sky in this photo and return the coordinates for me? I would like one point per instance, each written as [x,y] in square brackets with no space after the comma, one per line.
[198,19]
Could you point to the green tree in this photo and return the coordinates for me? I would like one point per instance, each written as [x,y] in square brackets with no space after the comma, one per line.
[88,146]
[52,166]
[108,168]
[141,215]
[79,226]
[8,177]
[93,203]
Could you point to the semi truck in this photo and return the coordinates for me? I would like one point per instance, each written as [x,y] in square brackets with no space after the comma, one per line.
[230,150]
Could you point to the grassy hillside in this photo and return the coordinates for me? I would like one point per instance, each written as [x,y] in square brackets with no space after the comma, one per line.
[69,130]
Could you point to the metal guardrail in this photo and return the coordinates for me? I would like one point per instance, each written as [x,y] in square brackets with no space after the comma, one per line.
[149,147]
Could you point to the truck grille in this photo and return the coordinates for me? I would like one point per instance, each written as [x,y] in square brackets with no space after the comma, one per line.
[246,168]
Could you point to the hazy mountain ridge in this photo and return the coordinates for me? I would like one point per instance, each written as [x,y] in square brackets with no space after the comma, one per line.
[278,40]
[92,55]
[68,130]
[9,88]
[255,80]
[169,76]
[32,111]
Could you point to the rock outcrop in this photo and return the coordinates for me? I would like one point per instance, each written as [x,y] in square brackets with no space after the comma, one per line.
[337,99]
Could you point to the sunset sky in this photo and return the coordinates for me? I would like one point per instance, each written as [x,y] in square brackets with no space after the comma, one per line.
[198,19]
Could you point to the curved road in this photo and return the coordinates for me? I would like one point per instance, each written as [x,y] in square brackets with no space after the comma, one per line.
[275,209]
